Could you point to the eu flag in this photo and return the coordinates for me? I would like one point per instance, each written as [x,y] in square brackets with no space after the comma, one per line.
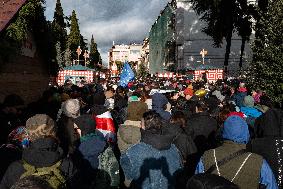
[127,75]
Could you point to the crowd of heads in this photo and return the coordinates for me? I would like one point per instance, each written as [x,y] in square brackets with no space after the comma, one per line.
[153,102]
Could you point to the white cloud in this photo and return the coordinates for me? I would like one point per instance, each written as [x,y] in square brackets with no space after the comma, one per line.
[122,21]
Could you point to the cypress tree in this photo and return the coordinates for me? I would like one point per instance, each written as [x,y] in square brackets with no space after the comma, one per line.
[74,38]
[59,26]
[95,58]
[266,69]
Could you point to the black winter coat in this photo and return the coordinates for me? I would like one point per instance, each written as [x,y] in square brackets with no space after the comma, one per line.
[181,139]
[8,154]
[42,153]
[67,135]
[201,124]
[202,127]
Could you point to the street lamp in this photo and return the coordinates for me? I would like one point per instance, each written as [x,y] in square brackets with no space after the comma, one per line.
[79,51]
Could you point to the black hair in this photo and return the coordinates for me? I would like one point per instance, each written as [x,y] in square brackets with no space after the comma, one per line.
[202,106]
[152,121]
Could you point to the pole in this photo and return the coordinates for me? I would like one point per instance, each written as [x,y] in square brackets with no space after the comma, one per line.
[78,58]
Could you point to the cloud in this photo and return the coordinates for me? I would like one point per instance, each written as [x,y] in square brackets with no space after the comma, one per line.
[122,21]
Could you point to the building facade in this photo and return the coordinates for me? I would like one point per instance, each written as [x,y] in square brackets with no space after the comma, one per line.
[120,53]
[186,38]
[190,40]
[161,40]
[22,72]
[145,53]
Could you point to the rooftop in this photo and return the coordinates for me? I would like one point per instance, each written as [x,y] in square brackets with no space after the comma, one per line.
[8,9]
[77,68]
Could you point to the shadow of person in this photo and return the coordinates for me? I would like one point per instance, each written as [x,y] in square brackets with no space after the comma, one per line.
[149,168]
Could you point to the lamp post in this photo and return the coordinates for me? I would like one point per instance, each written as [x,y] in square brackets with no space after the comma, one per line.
[79,52]
[86,55]
[203,53]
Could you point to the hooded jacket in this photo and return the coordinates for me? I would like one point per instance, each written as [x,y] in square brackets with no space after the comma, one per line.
[43,152]
[158,103]
[152,163]
[236,134]
[128,134]
[201,124]
[181,140]
[268,141]
[239,98]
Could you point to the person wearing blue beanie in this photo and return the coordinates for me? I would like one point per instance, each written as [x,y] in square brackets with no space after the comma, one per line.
[247,170]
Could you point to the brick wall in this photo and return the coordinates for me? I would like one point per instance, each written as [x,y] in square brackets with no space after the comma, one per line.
[25,76]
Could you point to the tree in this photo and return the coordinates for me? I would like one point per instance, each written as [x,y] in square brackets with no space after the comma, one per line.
[244,25]
[222,17]
[142,71]
[68,57]
[74,38]
[95,58]
[59,26]
[266,68]
[31,19]
[59,57]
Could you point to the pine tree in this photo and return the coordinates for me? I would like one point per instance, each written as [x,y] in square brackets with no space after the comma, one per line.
[95,58]
[266,69]
[59,26]
[74,38]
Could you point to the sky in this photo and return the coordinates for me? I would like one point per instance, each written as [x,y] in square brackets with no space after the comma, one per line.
[121,21]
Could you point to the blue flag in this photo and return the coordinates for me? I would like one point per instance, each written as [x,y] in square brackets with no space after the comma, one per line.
[127,75]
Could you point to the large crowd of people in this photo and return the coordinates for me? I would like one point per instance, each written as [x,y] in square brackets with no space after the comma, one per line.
[155,133]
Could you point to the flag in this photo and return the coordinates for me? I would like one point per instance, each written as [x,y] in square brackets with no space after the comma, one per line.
[105,124]
[127,75]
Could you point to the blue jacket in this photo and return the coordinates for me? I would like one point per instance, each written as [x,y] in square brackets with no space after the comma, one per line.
[149,167]
[158,103]
[239,98]
[236,129]
[251,112]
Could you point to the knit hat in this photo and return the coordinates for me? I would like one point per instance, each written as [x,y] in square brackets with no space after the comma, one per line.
[71,108]
[241,85]
[236,129]
[189,91]
[135,110]
[248,101]
[19,136]
[85,123]
[99,99]
[133,98]
[218,95]
[40,126]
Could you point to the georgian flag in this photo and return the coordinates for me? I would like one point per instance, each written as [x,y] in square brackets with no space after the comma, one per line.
[105,124]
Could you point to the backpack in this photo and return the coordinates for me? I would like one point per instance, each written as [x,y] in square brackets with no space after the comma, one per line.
[108,170]
[52,175]
[208,180]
